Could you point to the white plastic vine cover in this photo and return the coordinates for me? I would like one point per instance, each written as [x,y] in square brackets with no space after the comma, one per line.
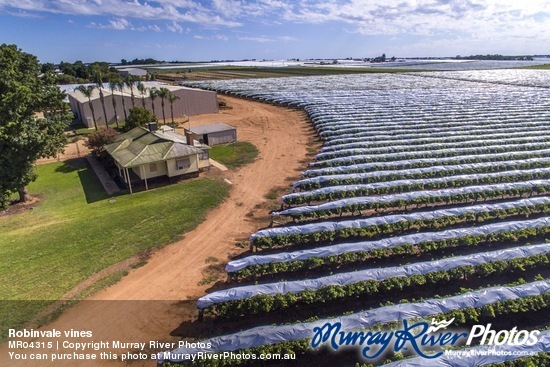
[395,218]
[349,159]
[418,171]
[350,130]
[413,195]
[389,139]
[411,239]
[441,160]
[362,149]
[376,274]
[336,145]
[392,135]
[267,335]
[420,181]
[339,128]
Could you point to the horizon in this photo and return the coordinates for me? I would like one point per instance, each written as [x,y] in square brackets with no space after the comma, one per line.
[198,30]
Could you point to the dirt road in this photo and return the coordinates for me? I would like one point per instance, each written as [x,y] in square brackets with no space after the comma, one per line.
[151,302]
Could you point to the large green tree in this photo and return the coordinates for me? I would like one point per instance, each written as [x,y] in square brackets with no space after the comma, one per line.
[24,135]
[139,116]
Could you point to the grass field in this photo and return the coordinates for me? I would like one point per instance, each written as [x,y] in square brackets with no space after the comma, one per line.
[234,155]
[538,67]
[76,231]
[244,72]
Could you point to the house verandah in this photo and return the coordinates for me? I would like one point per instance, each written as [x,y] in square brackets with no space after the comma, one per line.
[142,156]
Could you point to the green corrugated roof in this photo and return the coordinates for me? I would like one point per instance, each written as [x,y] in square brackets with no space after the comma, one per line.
[139,146]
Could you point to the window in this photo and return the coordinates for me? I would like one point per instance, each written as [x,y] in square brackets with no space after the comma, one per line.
[183,163]
[153,167]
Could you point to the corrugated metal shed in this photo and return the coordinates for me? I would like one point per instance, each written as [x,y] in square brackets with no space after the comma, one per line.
[191,102]
[212,128]
[213,134]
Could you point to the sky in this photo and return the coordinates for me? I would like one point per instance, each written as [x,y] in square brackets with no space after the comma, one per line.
[201,30]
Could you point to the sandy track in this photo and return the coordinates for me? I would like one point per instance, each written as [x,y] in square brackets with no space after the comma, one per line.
[149,304]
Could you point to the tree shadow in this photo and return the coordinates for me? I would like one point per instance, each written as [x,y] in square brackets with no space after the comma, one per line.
[92,187]
[71,165]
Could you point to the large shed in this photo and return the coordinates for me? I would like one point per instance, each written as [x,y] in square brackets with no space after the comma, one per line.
[133,71]
[212,134]
[190,102]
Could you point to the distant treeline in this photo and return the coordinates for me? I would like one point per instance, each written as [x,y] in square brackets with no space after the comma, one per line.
[78,72]
[148,61]
[495,57]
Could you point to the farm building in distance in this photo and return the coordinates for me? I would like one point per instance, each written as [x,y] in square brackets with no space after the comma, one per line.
[190,102]
[213,134]
[141,154]
[133,71]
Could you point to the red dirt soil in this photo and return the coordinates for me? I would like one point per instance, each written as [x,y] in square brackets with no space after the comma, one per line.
[173,273]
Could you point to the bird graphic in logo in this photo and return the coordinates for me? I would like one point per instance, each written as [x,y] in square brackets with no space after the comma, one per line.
[443,324]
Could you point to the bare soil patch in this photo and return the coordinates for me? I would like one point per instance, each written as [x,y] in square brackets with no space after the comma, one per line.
[18,207]
[72,150]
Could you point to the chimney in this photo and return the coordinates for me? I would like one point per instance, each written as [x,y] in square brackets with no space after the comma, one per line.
[152,126]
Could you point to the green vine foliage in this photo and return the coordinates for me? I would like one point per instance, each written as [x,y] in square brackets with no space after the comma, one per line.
[497,167]
[420,155]
[420,164]
[396,228]
[424,201]
[428,147]
[386,190]
[266,303]
[348,258]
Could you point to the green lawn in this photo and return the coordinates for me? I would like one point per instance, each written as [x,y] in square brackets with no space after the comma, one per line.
[75,231]
[234,155]
[540,67]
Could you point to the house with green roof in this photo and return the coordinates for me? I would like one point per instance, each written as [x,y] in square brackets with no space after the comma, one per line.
[141,155]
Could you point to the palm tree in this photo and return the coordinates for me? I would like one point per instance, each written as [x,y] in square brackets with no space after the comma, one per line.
[143,91]
[88,92]
[172,98]
[153,94]
[120,86]
[98,80]
[163,93]
[113,85]
[130,82]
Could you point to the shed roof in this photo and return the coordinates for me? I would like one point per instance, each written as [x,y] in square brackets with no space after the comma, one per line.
[140,146]
[212,128]
[79,96]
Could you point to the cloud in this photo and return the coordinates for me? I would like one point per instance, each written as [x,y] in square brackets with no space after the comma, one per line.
[263,39]
[215,37]
[22,14]
[498,21]
[418,16]
[175,27]
[171,10]
[121,24]
[260,39]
